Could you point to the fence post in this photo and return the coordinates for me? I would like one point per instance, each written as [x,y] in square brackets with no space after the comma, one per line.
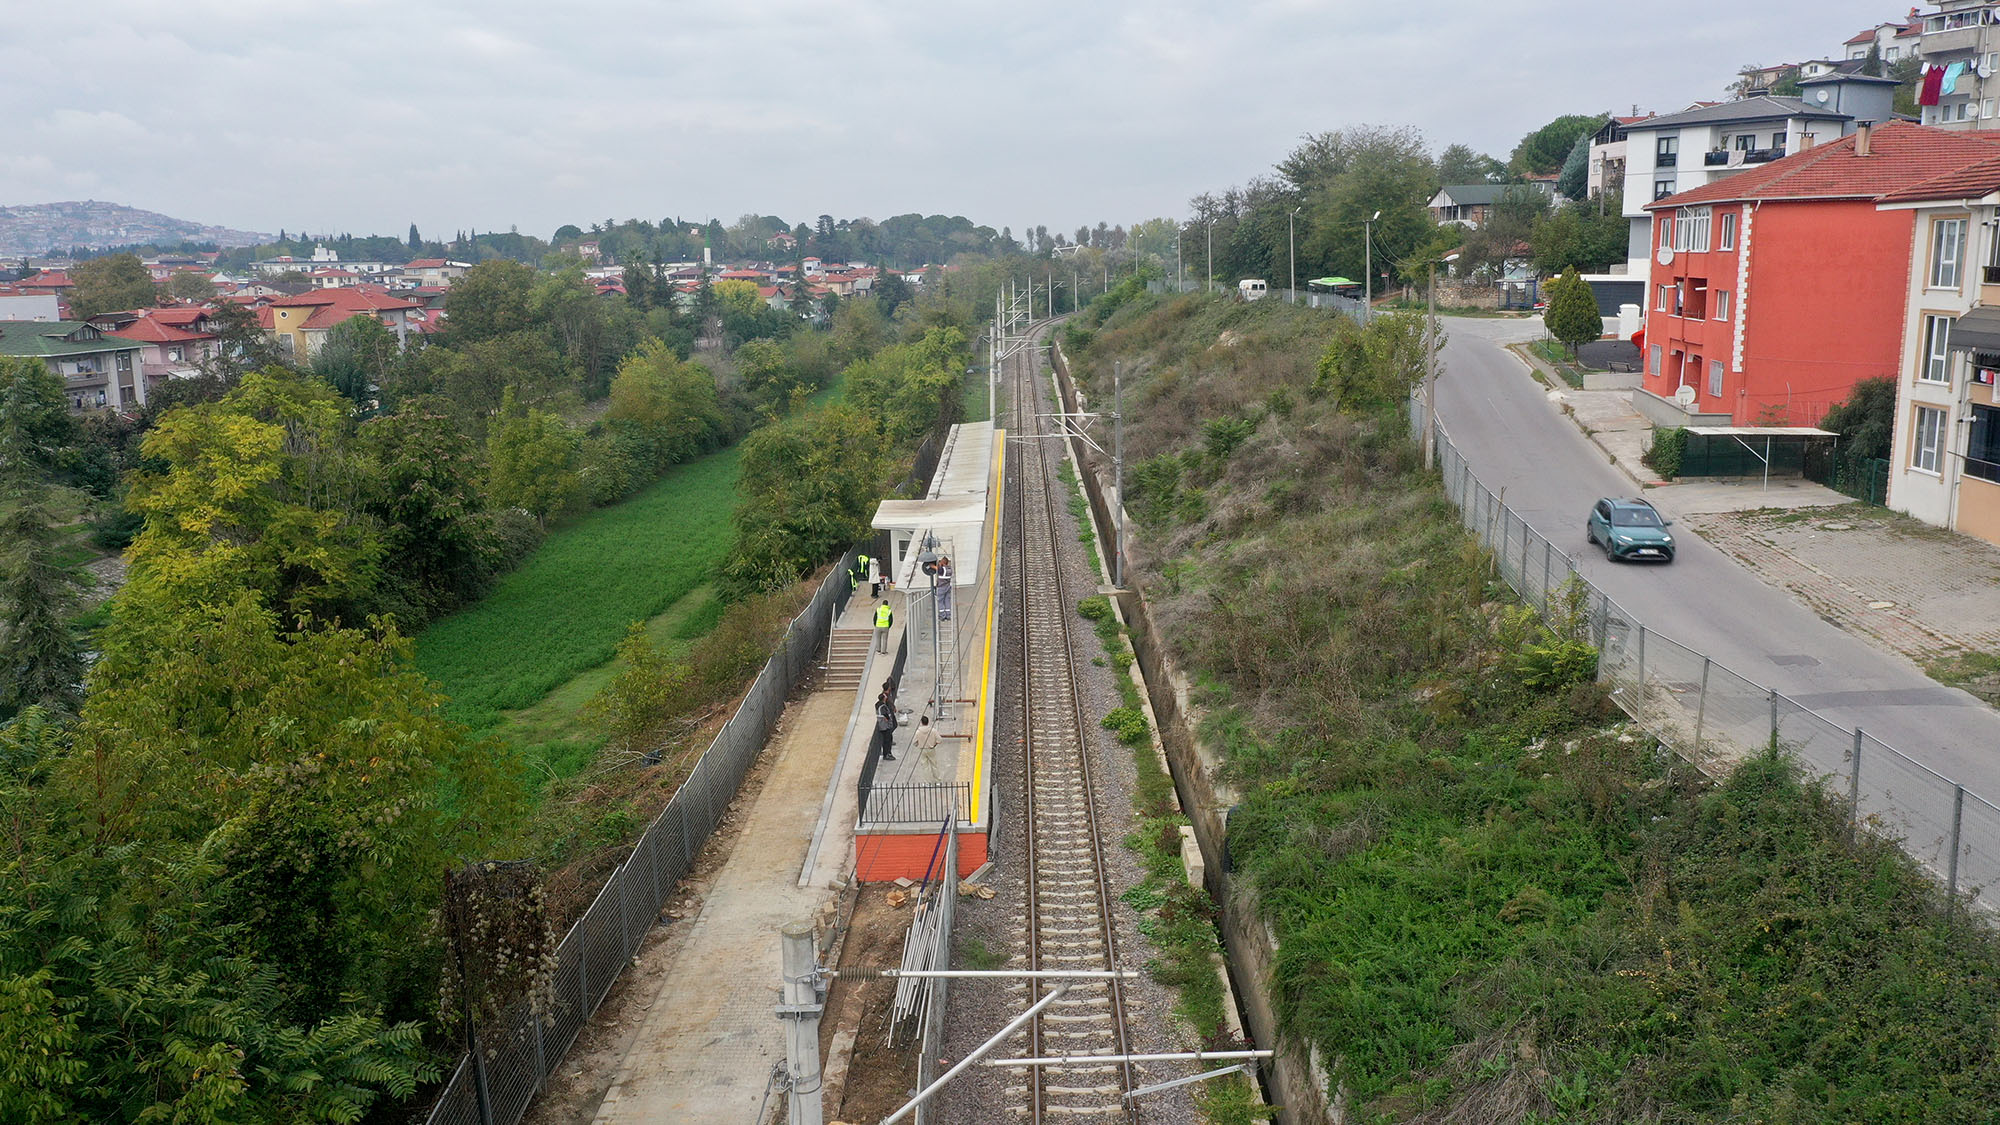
[1700,709]
[1639,704]
[1854,779]
[1548,553]
[1957,822]
[1772,693]
[1524,559]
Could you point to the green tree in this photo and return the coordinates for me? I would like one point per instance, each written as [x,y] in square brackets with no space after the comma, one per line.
[111,283]
[765,371]
[438,548]
[808,487]
[40,665]
[1572,315]
[491,300]
[1544,150]
[532,458]
[415,242]
[356,359]
[1866,423]
[1460,164]
[36,428]
[188,285]
[1575,179]
[1351,176]
[668,406]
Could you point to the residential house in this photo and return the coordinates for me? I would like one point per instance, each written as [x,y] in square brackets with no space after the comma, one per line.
[300,323]
[20,304]
[175,341]
[98,371]
[1757,81]
[332,277]
[1606,169]
[433,271]
[1944,463]
[1961,51]
[1775,290]
[1680,152]
[1892,41]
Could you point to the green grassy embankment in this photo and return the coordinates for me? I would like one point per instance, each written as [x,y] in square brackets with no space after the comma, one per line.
[522,663]
[1493,900]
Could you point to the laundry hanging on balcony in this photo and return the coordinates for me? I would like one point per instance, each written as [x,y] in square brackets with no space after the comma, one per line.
[1950,83]
[1927,94]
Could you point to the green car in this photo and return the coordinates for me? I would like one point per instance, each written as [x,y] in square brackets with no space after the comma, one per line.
[1630,529]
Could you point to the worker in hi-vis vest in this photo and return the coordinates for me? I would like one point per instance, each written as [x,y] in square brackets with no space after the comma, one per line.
[883,618]
[854,576]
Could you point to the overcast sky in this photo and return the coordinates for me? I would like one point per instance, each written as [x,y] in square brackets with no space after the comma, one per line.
[364,116]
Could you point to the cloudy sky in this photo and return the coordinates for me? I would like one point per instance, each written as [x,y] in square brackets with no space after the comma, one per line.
[364,116]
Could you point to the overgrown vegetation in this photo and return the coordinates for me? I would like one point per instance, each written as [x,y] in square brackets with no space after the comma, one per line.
[1664,453]
[1492,902]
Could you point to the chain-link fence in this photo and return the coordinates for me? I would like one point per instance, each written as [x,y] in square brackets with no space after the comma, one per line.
[520,1055]
[1711,715]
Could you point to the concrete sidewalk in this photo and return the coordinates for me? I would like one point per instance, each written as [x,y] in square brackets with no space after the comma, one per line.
[710,1038]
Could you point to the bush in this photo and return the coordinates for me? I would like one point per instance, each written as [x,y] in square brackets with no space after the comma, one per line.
[1556,663]
[1129,724]
[1096,607]
[115,529]
[1664,455]
[1222,435]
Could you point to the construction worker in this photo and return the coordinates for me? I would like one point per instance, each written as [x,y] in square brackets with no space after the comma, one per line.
[884,617]
[859,572]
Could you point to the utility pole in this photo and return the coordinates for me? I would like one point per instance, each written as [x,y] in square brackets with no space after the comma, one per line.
[1292,245]
[1430,371]
[799,1009]
[1208,280]
[1368,267]
[1180,286]
[1118,470]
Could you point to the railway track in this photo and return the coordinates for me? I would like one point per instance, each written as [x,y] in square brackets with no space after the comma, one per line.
[1069,922]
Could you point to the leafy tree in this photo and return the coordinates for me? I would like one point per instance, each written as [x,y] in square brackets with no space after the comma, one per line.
[35,423]
[111,283]
[438,548]
[415,241]
[910,387]
[1572,315]
[468,381]
[187,285]
[765,372]
[1578,236]
[533,460]
[356,358]
[809,486]
[490,300]
[667,405]
[40,664]
[1866,423]
[1460,164]
[1575,178]
[1356,173]
[1544,150]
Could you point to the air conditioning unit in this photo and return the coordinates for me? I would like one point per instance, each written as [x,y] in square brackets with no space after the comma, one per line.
[1992,275]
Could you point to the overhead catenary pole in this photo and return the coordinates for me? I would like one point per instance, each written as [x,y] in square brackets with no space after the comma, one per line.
[1368,267]
[1430,372]
[1208,279]
[800,1011]
[1118,471]
[1292,246]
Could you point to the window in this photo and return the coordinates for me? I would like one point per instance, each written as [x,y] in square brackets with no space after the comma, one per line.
[1715,378]
[1928,438]
[1745,142]
[1726,239]
[1947,250]
[1663,188]
[1936,363]
[1957,111]
[1667,151]
[1691,229]
[1986,108]
[1722,304]
[1653,364]
[1666,298]
[1982,445]
[1889,55]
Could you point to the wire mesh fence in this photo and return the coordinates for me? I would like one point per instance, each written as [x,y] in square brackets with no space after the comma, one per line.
[1711,715]
[518,1058]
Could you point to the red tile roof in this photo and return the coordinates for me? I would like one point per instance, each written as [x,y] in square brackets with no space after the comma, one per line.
[47,279]
[425,264]
[336,305]
[150,331]
[1968,182]
[1902,156]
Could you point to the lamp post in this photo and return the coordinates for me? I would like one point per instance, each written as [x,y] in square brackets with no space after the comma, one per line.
[1368,267]
[1292,244]
[1180,285]
[1208,275]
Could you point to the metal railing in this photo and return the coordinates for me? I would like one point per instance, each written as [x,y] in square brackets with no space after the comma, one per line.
[1710,715]
[522,1054]
[913,804]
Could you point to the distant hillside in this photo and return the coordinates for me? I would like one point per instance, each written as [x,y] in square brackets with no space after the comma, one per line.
[37,228]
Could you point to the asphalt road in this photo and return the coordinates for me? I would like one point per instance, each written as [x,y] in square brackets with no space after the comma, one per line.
[1502,421]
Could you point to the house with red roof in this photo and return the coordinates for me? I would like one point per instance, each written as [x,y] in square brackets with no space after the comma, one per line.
[426,272]
[176,340]
[1773,291]
[17,303]
[300,322]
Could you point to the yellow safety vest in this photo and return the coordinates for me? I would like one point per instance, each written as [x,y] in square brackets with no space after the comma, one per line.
[882,617]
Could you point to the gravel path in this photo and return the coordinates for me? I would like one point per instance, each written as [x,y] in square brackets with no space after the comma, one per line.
[979,1010]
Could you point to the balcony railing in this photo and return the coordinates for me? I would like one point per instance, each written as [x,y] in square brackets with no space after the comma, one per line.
[1715,157]
[1763,155]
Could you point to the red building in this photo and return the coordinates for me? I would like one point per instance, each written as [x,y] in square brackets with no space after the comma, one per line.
[1777,289]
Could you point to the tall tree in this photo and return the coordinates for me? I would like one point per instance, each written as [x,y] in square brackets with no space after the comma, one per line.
[1575,178]
[111,283]
[1572,315]
[1460,164]
[415,241]
[490,300]
[1544,150]
[356,358]
[533,460]
[40,665]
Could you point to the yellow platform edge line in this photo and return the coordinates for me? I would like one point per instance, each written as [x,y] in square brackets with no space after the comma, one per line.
[992,590]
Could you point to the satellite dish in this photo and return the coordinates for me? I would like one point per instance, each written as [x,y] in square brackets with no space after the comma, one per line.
[1666,256]
[1684,396]
[1822,94]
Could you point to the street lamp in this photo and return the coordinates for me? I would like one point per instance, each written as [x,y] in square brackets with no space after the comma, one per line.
[1292,244]
[1208,276]
[1368,266]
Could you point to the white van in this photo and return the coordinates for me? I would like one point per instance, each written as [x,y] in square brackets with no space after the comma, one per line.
[1252,289]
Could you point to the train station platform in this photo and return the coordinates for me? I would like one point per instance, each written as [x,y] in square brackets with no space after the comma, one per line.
[943,655]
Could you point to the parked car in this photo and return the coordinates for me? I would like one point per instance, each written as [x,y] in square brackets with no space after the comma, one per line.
[1630,529]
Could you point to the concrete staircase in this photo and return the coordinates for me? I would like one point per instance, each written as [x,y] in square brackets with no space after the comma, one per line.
[847,659]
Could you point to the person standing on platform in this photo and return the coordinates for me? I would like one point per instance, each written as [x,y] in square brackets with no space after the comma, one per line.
[874,578]
[925,742]
[884,617]
[885,726]
[944,588]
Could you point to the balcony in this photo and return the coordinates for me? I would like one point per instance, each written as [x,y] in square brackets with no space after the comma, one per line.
[1715,157]
[1940,44]
[1763,155]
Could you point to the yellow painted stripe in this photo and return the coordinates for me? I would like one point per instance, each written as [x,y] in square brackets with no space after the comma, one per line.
[992,587]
